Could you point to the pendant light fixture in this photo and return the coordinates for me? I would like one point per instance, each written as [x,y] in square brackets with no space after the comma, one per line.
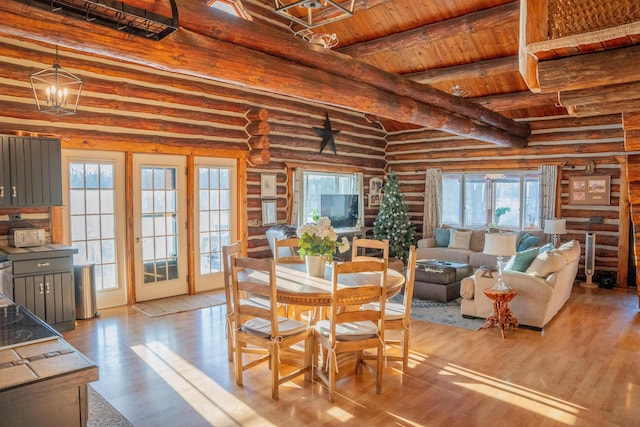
[56,90]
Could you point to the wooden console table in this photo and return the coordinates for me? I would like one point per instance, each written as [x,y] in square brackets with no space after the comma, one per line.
[502,316]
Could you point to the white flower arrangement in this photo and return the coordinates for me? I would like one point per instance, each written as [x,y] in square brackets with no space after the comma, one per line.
[320,239]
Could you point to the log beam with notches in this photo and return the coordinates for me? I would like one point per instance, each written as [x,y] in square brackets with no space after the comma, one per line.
[210,57]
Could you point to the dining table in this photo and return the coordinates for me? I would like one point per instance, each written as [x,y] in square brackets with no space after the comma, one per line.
[295,287]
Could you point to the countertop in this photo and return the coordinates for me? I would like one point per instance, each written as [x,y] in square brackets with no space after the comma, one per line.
[53,249]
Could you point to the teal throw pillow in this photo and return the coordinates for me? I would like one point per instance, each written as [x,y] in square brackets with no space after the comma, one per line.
[545,248]
[527,242]
[522,260]
[442,237]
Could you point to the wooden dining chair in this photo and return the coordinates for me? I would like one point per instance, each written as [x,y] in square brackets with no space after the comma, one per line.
[348,330]
[262,327]
[398,315]
[232,250]
[359,247]
[286,251]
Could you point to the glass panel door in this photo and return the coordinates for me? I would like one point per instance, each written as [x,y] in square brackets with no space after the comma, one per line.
[215,196]
[160,226]
[95,220]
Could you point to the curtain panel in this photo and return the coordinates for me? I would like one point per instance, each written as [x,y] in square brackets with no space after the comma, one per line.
[432,202]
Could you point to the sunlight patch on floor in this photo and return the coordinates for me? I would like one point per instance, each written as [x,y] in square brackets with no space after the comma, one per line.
[195,387]
[531,400]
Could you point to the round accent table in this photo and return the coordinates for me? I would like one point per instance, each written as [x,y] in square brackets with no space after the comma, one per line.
[502,316]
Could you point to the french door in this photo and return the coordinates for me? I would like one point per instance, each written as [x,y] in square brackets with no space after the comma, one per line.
[94,219]
[215,218]
[159,210]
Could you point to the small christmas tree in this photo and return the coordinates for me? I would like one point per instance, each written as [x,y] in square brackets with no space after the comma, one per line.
[393,221]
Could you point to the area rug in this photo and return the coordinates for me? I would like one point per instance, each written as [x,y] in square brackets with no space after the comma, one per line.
[172,305]
[445,313]
[102,414]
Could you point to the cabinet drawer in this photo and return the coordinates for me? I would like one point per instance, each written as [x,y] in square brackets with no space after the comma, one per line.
[45,265]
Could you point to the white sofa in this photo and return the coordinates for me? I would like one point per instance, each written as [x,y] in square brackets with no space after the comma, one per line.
[542,290]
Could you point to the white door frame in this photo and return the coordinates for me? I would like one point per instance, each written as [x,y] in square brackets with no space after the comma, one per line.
[109,297]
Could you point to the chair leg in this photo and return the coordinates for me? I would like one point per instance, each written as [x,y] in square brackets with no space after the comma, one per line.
[275,371]
[332,376]
[230,340]
[238,362]
[379,370]
[405,350]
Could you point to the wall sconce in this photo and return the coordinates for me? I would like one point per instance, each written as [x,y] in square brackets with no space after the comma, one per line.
[56,90]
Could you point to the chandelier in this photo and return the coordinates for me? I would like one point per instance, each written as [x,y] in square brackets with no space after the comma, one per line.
[314,13]
[56,90]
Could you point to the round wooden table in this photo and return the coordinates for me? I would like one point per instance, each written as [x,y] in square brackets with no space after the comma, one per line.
[502,316]
[295,288]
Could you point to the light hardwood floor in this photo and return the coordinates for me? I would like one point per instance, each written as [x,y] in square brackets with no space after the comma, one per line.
[582,370]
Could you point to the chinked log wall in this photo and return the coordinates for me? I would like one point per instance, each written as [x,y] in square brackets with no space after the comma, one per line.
[135,109]
[567,142]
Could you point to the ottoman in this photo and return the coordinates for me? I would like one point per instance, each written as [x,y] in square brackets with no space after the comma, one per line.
[439,280]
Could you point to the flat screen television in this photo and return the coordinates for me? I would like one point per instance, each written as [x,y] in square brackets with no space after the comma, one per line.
[342,209]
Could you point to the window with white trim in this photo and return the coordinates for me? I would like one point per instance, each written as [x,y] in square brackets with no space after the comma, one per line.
[511,200]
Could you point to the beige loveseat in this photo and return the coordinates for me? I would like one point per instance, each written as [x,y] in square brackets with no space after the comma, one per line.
[470,253]
[542,290]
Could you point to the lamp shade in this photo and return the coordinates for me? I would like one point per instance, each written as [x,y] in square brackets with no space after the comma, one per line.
[499,244]
[555,226]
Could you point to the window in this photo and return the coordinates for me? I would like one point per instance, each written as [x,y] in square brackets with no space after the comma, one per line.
[93,219]
[215,216]
[315,184]
[232,7]
[511,199]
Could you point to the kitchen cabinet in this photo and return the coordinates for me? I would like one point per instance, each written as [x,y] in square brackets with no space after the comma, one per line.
[31,173]
[43,282]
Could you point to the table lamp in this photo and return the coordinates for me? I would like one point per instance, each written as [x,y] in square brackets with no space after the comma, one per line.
[555,227]
[500,245]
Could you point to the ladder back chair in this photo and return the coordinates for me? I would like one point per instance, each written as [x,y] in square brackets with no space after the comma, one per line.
[397,316]
[359,247]
[352,331]
[232,250]
[264,329]
[286,251]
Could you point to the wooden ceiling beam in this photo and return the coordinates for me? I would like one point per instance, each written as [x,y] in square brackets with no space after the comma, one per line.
[488,68]
[473,22]
[516,100]
[596,95]
[591,70]
[604,108]
[238,32]
[194,54]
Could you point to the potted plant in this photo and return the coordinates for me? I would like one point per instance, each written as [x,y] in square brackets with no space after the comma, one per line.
[318,243]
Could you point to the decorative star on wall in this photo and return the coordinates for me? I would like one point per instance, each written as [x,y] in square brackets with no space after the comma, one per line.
[327,135]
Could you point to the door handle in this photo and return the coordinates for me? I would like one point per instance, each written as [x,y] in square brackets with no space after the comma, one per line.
[14,191]
[41,289]
[48,287]
[1,190]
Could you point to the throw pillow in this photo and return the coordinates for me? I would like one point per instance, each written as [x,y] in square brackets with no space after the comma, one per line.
[522,260]
[546,263]
[527,242]
[459,239]
[545,248]
[442,237]
[569,250]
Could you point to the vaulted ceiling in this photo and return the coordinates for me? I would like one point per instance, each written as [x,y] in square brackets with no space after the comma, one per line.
[535,58]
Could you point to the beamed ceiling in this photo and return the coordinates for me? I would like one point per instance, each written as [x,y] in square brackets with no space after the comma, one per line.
[469,67]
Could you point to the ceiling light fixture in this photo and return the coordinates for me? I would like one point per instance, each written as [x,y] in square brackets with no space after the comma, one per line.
[326,41]
[458,90]
[314,13]
[56,90]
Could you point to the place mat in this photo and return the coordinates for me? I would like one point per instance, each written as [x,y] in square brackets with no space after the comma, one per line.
[177,304]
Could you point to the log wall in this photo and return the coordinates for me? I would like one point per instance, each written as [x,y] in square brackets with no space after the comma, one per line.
[134,109]
[564,141]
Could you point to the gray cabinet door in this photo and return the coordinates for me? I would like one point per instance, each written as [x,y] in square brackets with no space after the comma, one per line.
[36,171]
[59,298]
[5,173]
[30,292]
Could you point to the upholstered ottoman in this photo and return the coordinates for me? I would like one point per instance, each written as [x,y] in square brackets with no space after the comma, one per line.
[439,280]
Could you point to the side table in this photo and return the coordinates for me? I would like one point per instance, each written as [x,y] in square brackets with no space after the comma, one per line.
[502,316]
